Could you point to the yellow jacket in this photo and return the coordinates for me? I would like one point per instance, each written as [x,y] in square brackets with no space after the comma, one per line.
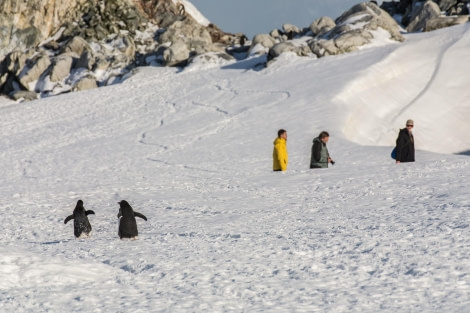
[280,154]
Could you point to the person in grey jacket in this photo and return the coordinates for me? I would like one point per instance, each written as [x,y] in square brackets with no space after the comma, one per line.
[320,155]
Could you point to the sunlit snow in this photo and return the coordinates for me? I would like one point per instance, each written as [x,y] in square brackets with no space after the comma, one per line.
[191,150]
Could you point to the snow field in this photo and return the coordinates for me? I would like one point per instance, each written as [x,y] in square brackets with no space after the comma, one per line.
[191,150]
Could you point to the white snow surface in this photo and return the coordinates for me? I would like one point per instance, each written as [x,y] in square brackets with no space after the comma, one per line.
[192,149]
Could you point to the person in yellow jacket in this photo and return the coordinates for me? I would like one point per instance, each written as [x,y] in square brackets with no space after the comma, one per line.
[280,151]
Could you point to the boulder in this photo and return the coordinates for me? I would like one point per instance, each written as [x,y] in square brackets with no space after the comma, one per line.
[264,40]
[445,5]
[322,25]
[459,9]
[61,67]
[177,53]
[291,30]
[3,79]
[324,47]
[370,17]
[24,95]
[9,84]
[101,64]
[220,37]
[85,83]
[193,35]
[278,35]
[404,5]
[349,41]
[444,21]
[280,48]
[287,46]
[355,28]
[425,12]
[13,38]
[15,61]
[76,45]
[209,59]
[86,61]
[35,67]
[391,7]
[167,19]
[411,8]
[121,48]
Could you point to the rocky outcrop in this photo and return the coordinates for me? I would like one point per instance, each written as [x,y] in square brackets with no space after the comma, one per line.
[61,67]
[422,13]
[322,25]
[24,24]
[194,36]
[35,67]
[371,17]
[177,53]
[23,95]
[84,83]
[353,29]
[264,40]
[444,21]
[49,41]
[283,47]
[50,47]
[427,15]
[291,30]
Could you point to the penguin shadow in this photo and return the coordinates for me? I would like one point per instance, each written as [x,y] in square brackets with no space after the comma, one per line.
[55,242]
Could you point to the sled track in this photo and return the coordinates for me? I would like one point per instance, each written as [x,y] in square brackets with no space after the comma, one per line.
[426,88]
[224,109]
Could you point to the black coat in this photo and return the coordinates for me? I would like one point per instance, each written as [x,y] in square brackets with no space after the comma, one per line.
[405,146]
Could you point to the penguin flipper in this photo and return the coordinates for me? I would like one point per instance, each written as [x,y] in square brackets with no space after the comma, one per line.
[89,212]
[68,218]
[140,215]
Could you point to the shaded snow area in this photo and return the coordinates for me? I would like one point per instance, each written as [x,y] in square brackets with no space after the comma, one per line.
[191,150]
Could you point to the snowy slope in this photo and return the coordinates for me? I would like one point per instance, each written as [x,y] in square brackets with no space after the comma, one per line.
[192,151]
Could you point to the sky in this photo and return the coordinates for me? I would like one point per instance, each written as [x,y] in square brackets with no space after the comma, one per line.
[261,16]
[191,149]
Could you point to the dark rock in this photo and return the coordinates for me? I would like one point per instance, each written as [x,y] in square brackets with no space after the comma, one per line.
[24,95]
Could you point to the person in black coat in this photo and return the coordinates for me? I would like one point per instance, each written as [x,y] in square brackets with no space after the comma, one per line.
[406,144]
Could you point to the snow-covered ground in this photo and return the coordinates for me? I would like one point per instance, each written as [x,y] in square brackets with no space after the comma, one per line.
[191,150]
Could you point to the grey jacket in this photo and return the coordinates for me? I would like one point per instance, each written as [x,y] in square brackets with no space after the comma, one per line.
[320,155]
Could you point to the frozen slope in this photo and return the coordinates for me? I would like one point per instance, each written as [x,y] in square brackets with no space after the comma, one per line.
[192,151]
[424,79]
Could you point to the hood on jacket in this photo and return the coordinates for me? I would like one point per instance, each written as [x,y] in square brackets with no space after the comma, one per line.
[317,139]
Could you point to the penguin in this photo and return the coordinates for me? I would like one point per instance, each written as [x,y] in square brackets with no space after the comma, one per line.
[81,224]
[181,9]
[127,222]
[243,40]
